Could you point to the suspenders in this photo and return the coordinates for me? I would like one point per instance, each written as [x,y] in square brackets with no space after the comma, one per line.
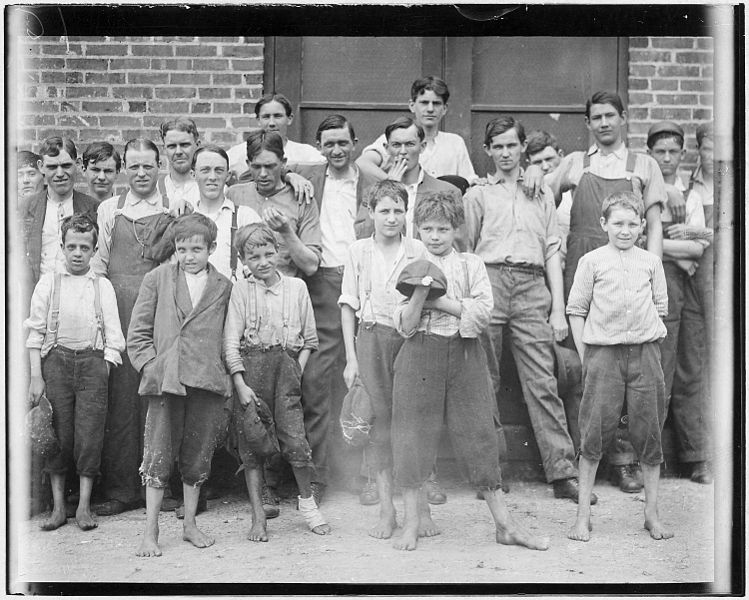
[53,325]
[254,319]
[232,250]
[630,168]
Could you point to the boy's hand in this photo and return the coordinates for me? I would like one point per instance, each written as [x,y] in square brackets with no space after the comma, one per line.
[533,181]
[36,389]
[245,394]
[558,325]
[676,204]
[276,220]
[351,372]
[303,189]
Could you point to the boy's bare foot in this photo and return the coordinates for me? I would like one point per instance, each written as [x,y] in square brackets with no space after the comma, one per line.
[190,533]
[258,533]
[657,529]
[580,531]
[514,535]
[323,529]
[149,546]
[384,528]
[407,540]
[85,519]
[427,528]
[56,520]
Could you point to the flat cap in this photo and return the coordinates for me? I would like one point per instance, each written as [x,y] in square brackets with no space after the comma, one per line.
[422,272]
[665,127]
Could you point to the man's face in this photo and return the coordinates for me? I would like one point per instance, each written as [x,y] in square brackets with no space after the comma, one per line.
[405,145]
[192,253]
[142,171]
[706,156]
[428,109]
[336,146]
[59,172]
[605,123]
[389,217]
[668,153]
[180,147]
[30,181]
[78,248]
[548,159]
[101,176]
[211,173]
[273,117]
[266,170]
[505,150]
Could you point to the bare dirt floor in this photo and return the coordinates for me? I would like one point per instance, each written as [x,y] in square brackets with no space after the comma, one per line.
[620,550]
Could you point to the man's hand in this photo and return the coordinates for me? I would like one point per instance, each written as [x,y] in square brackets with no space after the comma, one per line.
[177,206]
[558,325]
[351,372]
[533,181]
[36,389]
[396,172]
[676,204]
[302,187]
[681,231]
[276,220]
[245,395]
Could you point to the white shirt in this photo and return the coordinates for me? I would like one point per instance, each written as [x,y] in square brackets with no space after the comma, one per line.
[294,152]
[196,285]
[187,191]
[52,256]
[411,189]
[446,154]
[221,258]
[337,215]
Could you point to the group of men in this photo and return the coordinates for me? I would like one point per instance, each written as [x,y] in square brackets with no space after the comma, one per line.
[324,211]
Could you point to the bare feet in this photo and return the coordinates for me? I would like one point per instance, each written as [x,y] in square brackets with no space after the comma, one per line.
[407,539]
[190,533]
[149,546]
[323,529]
[657,529]
[517,536]
[427,528]
[384,528]
[85,519]
[56,519]
[258,533]
[580,531]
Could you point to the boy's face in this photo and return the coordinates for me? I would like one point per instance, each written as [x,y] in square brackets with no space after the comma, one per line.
[272,117]
[389,217]
[337,146]
[192,253]
[438,236]
[605,123]
[101,176]
[211,173]
[404,145]
[266,170]
[180,147]
[668,154]
[261,261]
[505,150]
[59,172]
[623,227]
[30,181]
[706,156]
[142,172]
[78,248]
[428,109]
[548,159]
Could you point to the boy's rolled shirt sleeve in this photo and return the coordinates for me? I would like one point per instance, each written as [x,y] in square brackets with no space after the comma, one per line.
[397,319]
[307,320]
[478,303]
[115,340]
[553,233]
[660,290]
[350,284]
[581,293]
[308,228]
[140,345]
[36,323]
[654,188]
[234,326]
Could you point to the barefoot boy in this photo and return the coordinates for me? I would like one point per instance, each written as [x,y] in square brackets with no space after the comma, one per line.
[268,337]
[368,293]
[74,339]
[441,376]
[616,306]
[174,342]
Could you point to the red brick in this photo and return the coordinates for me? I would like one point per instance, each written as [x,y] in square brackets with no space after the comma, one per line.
[30,91]
[28,133]
[248,108]
[85,64]
[694,57]
[152,49]
[120,121]
[670,114]
[678,71]
[639,98]
[205,64]
[227,79]
[695,85]
[243,51]
[254,40]
[167,64]
[228,108]
[189,78]
[676,99]
[247,92]
[196,50]
[664,84]
[137,106]
[638,84]
[39,120]
[51,91]
[129,92]
[56,131]
[73,120]
[168,107]
[151,120]
[30,77]
[220,40]
[53,77]
[706,99]
[106,49]
[648,56]
[74,107]
[210,122]
[247,65]
[175,92]
[102,106]
[87,92]
[118,64]
[47,63]
[672,42]
[702,114]
[705,43]
[707,71]
[215,93]
[639,42]
[641,70]
[203,108]
[61,49]
[222,138]
[176,38]
[241,122]
[107,78]
[637,114]
[131,134]
[148,78]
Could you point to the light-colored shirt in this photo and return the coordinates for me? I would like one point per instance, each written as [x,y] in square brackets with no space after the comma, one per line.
[563,219]
[188,191]
[622,295]
[337,215]
[412,189]
[304,219]
[369,280]
[221,257]
[77,327]
[446,154]
[135,207]
[467,282]
[503,225]
[251,297]
[196,285]
[294,152]
[52,257]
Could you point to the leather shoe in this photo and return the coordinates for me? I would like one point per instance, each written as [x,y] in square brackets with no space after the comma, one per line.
[435,495]
[569,488]
[369,495]
[115,507]
[624,477]
[701,473]
[270,502]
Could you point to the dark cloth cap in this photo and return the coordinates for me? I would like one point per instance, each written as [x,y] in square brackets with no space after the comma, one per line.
[413,274]
[665,127]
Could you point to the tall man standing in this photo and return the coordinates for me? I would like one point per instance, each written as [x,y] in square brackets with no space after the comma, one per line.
[181,139]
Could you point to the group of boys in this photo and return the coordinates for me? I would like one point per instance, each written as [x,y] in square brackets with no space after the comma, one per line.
[360,235]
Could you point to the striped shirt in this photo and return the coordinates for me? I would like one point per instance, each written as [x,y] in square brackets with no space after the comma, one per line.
[467,282]
[622,296]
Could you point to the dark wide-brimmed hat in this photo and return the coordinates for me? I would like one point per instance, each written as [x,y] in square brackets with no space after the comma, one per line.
[422,272]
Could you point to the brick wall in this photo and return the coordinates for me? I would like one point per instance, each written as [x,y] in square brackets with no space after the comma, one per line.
[119,88]
[670,78]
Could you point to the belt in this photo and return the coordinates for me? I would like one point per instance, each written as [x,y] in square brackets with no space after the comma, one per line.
[83,352]
[531,269]
[275,348]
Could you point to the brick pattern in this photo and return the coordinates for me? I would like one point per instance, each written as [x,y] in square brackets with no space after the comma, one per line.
[670,78]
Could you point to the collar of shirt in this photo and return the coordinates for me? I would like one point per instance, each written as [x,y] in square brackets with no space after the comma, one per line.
[417,183]
[63,270]
[274,289]
[495,178]
[620,153]
[352,176]
[698,176]
[134,200]
[66,199]
[225,205]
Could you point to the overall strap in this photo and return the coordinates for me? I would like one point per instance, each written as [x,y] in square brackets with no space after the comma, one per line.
[99,314]
[232,250]
[631,162]
[162,191]
[285,310]
[121,200]
[54,320]
[586,161]
[253,320]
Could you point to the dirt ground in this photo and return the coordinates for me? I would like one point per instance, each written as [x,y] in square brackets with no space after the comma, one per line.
[620,551]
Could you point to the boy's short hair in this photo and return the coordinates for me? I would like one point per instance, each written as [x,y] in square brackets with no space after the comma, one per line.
[439,206]
[193,225]
[280,98]
[261,140]
[142,145]
[387,188]
[704,131]
[54,145]
[404,123]
[98,151]
[185,124]
[502,124]
[26,158]
[334,122]
[430,83]
[253,236]
[79,223]
[210,148]
[604,97]
[538,140]
[628,200]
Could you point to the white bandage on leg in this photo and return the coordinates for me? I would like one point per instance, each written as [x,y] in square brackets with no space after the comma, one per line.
[310,512]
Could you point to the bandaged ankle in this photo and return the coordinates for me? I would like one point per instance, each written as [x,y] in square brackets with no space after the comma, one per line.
[310,512]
